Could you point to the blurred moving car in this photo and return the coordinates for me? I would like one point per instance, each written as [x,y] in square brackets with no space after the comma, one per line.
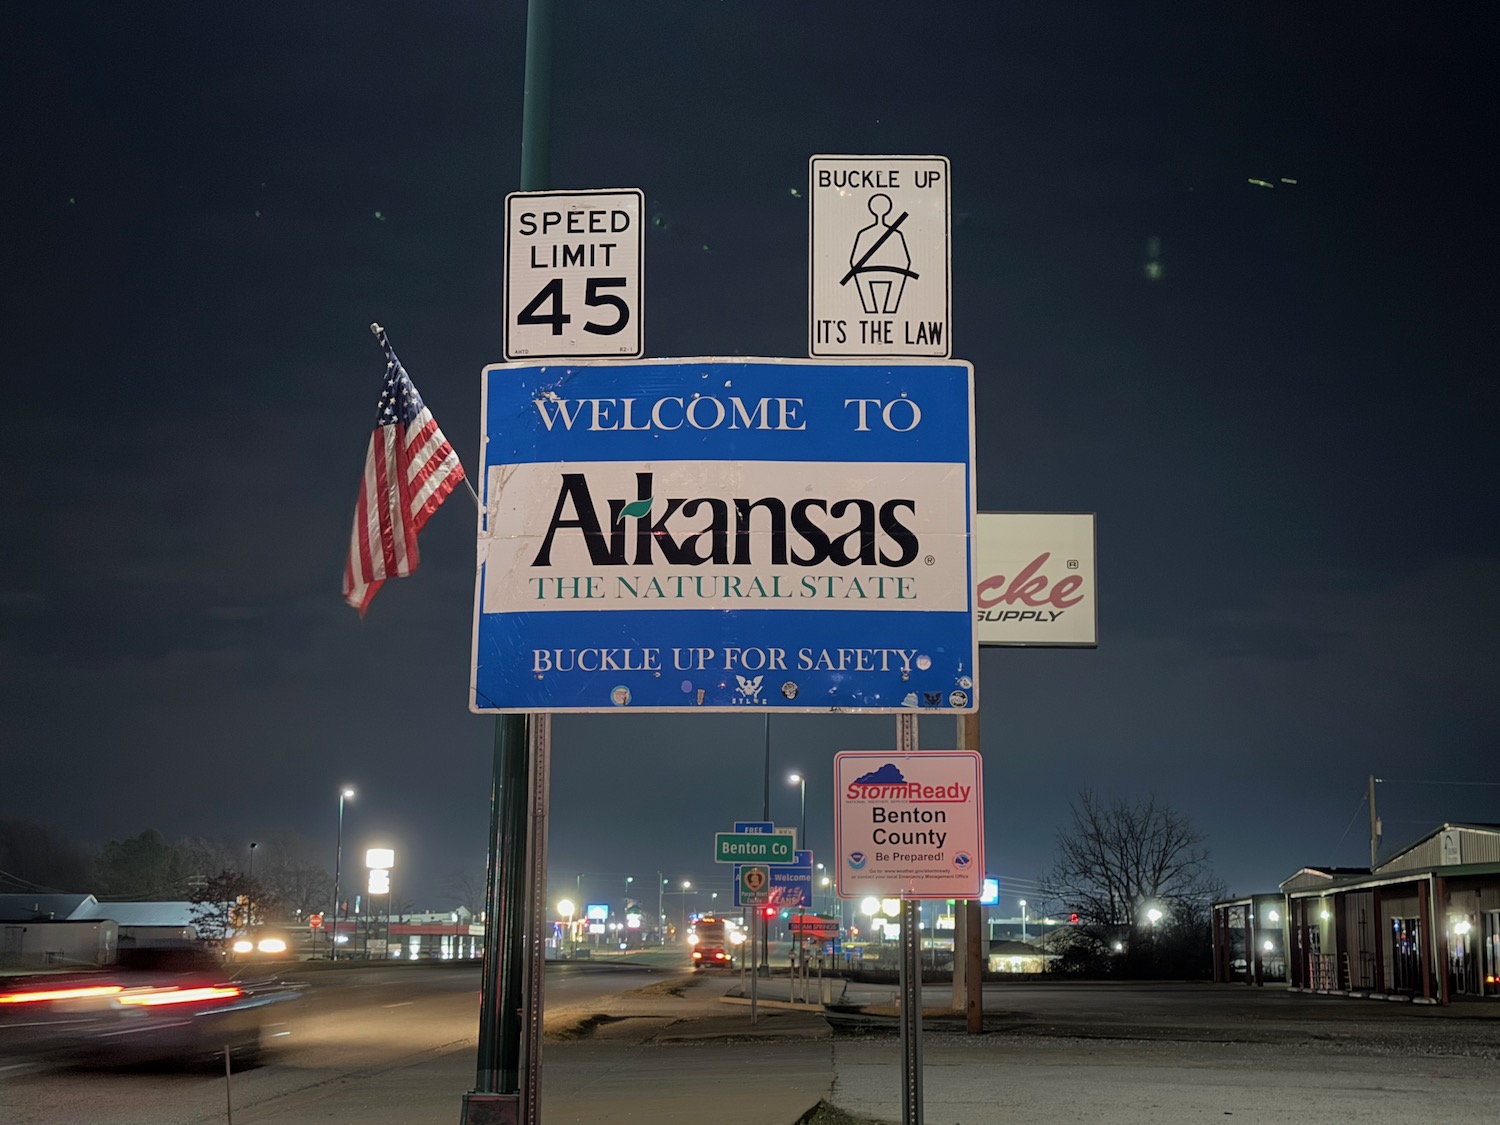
[262,943]
[174,1004]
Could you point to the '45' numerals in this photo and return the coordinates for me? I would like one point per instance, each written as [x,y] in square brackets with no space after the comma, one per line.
[550,297]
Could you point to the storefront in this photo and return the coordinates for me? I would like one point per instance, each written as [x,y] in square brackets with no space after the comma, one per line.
[1423,926]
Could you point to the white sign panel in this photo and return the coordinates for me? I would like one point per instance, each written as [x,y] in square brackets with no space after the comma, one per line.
[909,825]
[879,261]
[1037,579]
[716,534]
[573,263]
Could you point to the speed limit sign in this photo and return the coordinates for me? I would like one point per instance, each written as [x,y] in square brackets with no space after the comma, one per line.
[573,263]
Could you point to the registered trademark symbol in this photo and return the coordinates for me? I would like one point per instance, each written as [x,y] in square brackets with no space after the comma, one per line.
[1072,564]
[929,560]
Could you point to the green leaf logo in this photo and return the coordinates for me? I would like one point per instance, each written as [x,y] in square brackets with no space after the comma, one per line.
[635,508]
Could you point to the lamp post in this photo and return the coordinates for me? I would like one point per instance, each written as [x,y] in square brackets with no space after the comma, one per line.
[1023,920]
[801,782]
[250,889]
[338,858]
[625,912]
[685,891]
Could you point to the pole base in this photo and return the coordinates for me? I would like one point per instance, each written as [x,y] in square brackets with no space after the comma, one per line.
[490,1109]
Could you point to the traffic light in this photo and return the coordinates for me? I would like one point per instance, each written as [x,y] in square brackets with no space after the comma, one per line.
[768,912]
[1073,918]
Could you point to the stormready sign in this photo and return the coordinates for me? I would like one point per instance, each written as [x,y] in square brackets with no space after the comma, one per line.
[1037,580]
[909,824]
[722,534]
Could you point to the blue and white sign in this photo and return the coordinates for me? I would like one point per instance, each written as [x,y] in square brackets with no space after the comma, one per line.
[791,883]
[726,534]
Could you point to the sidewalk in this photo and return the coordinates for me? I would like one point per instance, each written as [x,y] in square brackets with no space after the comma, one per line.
[689,1058]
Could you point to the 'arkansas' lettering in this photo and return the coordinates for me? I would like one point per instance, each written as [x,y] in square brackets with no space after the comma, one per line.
[691,531]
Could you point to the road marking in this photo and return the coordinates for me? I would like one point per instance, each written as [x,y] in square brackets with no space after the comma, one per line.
[403,1004]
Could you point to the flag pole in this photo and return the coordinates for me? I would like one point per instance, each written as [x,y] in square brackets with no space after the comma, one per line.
[380,337]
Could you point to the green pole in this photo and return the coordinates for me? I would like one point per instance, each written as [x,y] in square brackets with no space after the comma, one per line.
[500,1026]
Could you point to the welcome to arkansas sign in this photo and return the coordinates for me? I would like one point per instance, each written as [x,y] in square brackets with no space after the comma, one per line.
[726,534]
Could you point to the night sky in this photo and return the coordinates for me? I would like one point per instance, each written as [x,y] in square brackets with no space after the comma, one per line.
[1280,402]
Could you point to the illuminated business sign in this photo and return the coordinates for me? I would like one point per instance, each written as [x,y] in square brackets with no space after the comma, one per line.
[596,912]
[726,534]
[1037,581]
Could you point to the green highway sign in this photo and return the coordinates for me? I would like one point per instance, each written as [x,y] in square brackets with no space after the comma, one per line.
[753,847]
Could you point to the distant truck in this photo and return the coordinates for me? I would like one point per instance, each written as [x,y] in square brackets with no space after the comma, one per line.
[712,944]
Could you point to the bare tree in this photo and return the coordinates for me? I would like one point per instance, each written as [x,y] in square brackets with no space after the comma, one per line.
[288,867]
[229,902]
[468,886]
[1138,877]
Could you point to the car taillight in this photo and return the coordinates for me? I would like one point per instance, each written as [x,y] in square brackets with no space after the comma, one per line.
[44,994]
[155,997]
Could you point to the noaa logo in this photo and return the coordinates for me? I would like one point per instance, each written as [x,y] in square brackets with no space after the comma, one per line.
[856,860]
[962,861]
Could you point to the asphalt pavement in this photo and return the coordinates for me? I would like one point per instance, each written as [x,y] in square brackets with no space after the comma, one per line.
[686,1051]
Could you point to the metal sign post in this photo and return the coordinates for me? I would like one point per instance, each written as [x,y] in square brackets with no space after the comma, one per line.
[911,973]
[911,1013]
[536,911]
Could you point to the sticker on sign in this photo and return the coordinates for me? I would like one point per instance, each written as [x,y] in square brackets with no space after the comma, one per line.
[573,265]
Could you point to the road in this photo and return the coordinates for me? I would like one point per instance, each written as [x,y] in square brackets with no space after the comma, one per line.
[347,1023]
[395,1046]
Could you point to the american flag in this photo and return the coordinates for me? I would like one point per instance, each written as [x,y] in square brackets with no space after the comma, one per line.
[409,470]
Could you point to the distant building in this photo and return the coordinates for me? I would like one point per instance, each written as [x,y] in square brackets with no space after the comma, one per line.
[1422,926]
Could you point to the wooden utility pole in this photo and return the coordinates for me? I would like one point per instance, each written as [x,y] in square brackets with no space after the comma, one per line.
[1374,827]
[970,931]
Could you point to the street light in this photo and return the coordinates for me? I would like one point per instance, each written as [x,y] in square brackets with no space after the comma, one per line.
[801,782]
[1023,919]
[625,912]
[685,891]
[338,858]
[250,888]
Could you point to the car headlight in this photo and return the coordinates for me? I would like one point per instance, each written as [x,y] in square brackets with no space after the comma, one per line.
[271,945]
[244,945]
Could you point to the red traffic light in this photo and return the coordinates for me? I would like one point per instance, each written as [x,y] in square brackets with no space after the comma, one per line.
[1073,918]
[768,912]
